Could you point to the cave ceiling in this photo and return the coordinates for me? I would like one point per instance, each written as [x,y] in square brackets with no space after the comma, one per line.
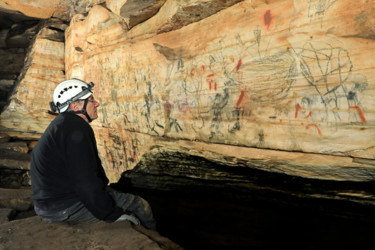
[9,17]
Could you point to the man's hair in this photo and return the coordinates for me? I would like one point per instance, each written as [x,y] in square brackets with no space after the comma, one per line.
[69,108]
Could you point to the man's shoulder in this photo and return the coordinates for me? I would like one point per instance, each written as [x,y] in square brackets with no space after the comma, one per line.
[68,118]
[66,122]
[72,122]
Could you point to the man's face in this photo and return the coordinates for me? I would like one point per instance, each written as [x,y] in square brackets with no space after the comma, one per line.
[91,107]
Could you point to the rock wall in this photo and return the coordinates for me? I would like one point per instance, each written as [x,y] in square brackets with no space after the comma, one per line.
[283,86]
[284,76]
[62,9]
[25,115]
[16,31]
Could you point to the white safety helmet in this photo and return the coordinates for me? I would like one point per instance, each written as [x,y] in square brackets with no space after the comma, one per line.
[69,91]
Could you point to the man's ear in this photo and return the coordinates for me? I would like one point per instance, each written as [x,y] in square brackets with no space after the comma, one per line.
[75,106]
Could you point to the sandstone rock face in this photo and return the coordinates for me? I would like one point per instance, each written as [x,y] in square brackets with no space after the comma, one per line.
[282,86]
[241,98]
[18,199]
[14,163]
[26,113]
[13,63]
[53,8]
[16,33]
[281,75]
[179,13]
[134,11]
[5,213]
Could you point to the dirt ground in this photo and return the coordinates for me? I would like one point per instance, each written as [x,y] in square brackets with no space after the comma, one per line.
[32,233]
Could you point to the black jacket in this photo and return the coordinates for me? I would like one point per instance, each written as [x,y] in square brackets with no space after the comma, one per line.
[65,169]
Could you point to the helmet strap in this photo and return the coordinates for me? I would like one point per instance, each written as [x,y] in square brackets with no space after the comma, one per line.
[83,111]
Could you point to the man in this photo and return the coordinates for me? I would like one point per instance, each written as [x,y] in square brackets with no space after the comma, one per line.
[68,181]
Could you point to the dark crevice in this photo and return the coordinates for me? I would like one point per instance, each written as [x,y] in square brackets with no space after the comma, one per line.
[200,204]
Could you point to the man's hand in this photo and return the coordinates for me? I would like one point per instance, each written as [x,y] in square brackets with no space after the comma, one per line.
[130,218]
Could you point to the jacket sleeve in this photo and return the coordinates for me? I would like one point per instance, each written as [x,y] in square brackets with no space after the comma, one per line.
[86,174]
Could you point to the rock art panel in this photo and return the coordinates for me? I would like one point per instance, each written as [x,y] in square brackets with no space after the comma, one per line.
[277,76]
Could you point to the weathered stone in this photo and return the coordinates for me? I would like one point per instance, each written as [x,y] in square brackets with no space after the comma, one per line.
[6,214]
[18,199]
[53,30]
[12,61]
[26,114]
[54,8]
[15,160]
[14,178]
[10,16]
[36,234]
[5,88]
[136,12]
[315,166]
[21,34]
[4,138]
[177,14]
[85,34]
[32,144]
[306,165]
[6,8]
[3,35]
[18,146]
[6,85]
[187,171]
[115,5]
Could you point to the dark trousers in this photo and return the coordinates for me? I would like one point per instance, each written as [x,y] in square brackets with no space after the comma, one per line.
[131,204]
